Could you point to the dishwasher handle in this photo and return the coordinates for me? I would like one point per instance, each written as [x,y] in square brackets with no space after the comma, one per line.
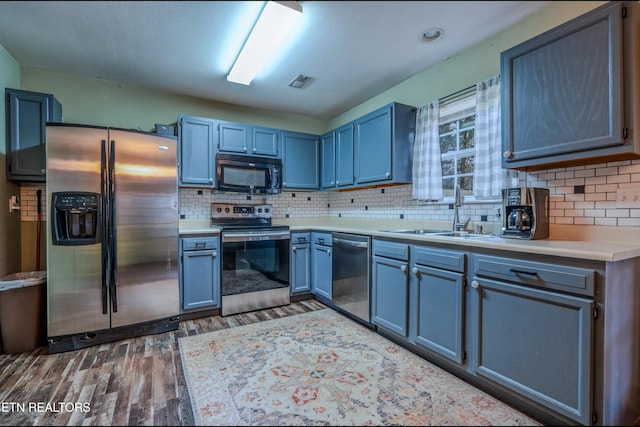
[350,243]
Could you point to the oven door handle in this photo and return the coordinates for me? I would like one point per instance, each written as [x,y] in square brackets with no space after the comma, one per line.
[239,236]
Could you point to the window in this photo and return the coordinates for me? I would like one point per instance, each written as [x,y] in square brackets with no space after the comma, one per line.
[457,142]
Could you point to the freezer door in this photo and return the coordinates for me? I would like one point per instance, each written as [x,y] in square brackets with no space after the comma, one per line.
[75,299]
[145,222]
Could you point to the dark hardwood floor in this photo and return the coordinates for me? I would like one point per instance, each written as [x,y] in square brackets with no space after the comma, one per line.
[137,381]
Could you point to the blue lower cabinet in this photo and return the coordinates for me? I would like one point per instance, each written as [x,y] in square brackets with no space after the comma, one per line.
[321,259]
[300,263]
[437,295]
[200,273]
[390,287]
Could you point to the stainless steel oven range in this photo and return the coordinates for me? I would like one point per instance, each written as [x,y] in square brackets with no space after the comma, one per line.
[255,258]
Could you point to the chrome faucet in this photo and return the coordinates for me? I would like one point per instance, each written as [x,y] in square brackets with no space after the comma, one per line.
[457,225]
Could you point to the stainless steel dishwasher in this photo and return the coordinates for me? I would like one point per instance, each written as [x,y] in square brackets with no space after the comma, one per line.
[350,263]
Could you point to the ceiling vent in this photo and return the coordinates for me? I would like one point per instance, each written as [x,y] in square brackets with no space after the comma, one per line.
[301,81]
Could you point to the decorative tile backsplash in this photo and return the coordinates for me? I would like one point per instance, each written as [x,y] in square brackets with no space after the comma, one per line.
[584,195]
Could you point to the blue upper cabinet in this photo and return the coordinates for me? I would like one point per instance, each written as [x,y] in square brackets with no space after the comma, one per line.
[569,94]
[27,115]
[301,161]
[383,145]
[246,139]
[344,156]
[328,160]
[196,151]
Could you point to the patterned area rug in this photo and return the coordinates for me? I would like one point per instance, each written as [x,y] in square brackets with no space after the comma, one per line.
[321,368]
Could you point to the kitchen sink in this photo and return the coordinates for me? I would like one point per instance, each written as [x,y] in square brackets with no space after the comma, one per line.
[415,231]
[444,233]
[462,234]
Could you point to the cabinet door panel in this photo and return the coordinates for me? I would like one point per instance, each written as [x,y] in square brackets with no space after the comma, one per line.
[201,280]
[328,160]
[562,92]
[234,138]
[300,267]
[265,141]
[390,295]
[440,311]
[373,146]
[301,161]
[321,281]
[344,156]
[196,152]
[536,343]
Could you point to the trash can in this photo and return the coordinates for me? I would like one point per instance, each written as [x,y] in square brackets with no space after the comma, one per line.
[22,311]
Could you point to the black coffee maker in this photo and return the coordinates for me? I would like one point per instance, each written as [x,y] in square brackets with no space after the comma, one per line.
[525,213]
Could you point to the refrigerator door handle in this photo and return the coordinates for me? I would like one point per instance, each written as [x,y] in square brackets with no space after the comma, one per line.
[103,225]
[113,267]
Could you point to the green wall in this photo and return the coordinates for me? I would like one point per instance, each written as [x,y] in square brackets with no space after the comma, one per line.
[103,103]
[9,222]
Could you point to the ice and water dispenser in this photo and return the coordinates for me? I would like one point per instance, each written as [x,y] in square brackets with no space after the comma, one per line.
[76,218]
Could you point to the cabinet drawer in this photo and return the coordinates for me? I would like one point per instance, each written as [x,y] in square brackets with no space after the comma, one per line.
[323,239]
[393,250]
[300,238]
[439,258]
[199,244]
[540,274]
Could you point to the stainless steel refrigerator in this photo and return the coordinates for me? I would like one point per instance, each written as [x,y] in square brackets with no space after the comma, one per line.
[112,235]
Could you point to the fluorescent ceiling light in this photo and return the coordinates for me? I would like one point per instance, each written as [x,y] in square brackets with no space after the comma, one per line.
[269,32]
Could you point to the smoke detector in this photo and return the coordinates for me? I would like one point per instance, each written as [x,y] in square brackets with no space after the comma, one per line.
[301,81]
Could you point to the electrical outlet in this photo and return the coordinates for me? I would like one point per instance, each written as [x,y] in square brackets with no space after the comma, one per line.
[628,197]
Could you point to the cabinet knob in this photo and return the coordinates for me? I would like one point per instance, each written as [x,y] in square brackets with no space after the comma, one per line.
[245,149]
[211,180]
[328,251]
[255,149]
[403,267]
[284,184]
[43,171]
[388,174]
[332,182]
[475,284]
[294,249]
[507,154]
[414,270]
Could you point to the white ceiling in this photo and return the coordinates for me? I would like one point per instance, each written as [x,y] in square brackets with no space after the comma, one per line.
[353,50]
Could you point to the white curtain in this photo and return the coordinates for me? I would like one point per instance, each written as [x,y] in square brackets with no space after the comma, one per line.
[488,177]
[427,169]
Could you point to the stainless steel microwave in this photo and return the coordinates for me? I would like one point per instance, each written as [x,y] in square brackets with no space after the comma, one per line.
[248,174]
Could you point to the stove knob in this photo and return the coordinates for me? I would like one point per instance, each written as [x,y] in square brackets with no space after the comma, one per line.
[259,210]
[266,210]
[226,210]
[219,210]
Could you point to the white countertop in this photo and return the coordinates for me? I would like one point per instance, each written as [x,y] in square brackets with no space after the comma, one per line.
[586,242]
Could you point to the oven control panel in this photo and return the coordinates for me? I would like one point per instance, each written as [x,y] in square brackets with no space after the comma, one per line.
[232,211]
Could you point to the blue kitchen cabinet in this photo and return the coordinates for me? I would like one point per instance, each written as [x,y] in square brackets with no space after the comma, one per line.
[390,286]
[301,161]
[200,273]
[27,115]
[533,331]
[383,145]
[321,265]
[569,95]
[328,160]
[437,303]
[344,156]
[196,151]
[246,139]
[300,263]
